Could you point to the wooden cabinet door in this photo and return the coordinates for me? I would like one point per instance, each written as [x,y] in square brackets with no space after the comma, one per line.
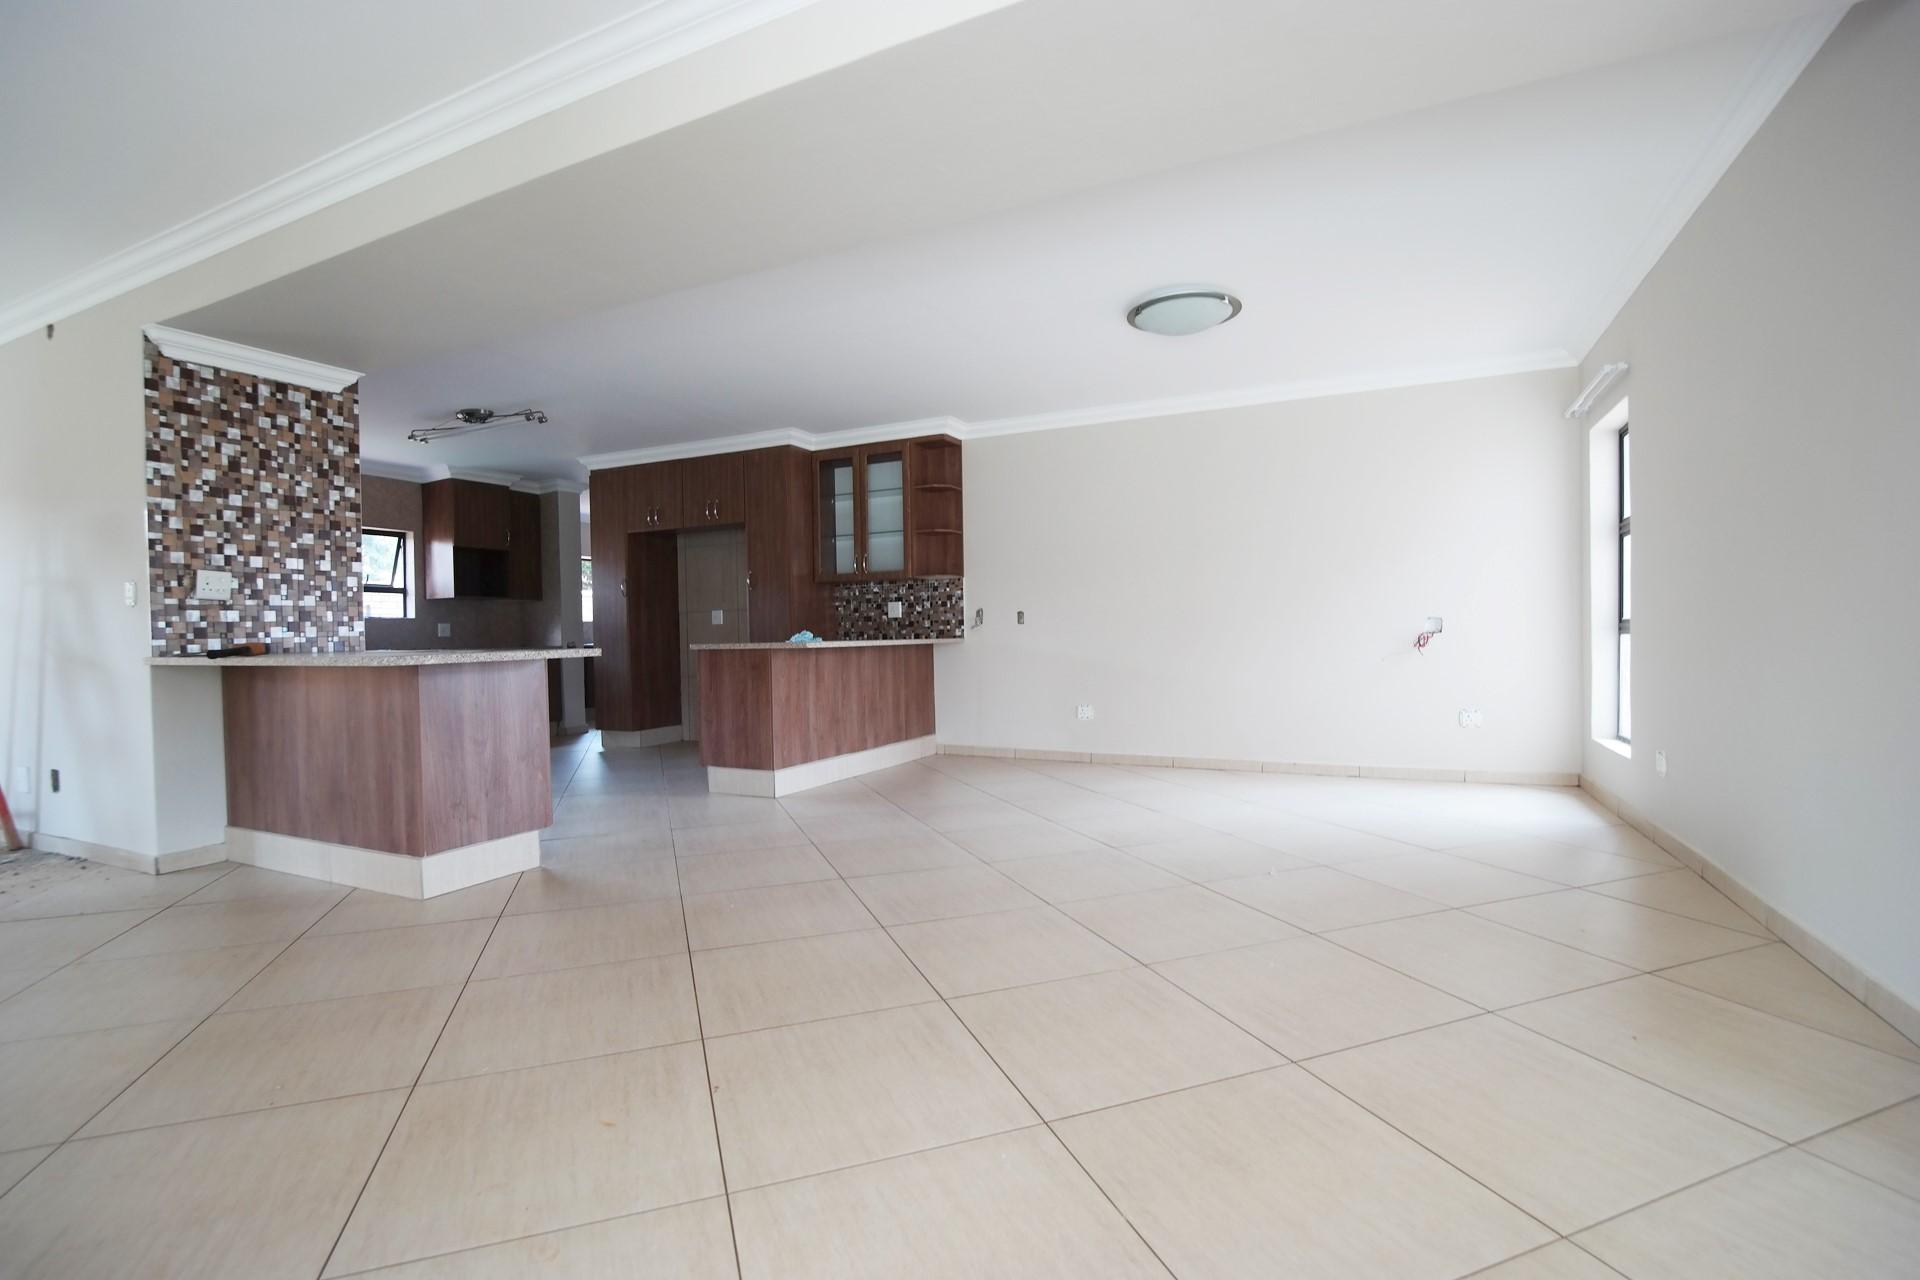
[713,490]
[523,546]
[612,508]
[481,515]
[656,496]
[836,521]
[882,505]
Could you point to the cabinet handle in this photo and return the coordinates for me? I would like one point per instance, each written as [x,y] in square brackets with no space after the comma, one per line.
[623,588]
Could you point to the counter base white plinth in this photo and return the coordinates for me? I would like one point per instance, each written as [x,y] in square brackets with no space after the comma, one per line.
[722,780]
[620,739]
[394,873]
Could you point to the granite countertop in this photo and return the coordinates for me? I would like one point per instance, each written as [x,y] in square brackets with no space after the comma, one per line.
[826,644]
[378,658]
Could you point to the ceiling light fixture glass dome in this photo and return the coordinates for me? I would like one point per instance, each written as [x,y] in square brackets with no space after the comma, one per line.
[1176,313]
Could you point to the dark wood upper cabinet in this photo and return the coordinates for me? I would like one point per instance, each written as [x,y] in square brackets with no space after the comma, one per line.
[470,530]
[782,595]
[610,495]
[889,510]
[654,495]
[713,490]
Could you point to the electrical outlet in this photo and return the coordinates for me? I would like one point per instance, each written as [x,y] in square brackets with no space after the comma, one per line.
[1085,711]
[1020,618]
[979,617]
[212,584]
[1472,718]
[719,616]
[1660,763]
[128,593]
[895,609]
[444,630]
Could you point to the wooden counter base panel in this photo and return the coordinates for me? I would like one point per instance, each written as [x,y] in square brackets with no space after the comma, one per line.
[777,708]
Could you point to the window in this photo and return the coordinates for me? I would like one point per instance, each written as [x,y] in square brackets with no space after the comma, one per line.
[1624,707]
[586,589]
[383,573]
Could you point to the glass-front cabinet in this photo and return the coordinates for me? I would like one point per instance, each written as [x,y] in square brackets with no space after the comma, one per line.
[861,525]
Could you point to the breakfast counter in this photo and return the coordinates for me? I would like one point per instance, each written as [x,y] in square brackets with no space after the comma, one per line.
[411,772]
[780,718]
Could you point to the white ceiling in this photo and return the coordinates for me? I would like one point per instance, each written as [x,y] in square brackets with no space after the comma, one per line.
[1399,191]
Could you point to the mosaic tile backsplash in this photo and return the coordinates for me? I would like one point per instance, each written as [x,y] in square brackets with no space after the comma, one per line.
[932,609]
[261,480]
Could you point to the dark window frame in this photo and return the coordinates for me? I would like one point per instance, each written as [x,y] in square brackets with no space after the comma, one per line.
[1622,605]
[402,557]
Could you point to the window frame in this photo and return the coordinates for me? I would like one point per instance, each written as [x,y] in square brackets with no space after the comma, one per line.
[402,560]
[1623,604]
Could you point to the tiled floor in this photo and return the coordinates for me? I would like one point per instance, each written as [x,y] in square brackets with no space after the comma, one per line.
[969,1017]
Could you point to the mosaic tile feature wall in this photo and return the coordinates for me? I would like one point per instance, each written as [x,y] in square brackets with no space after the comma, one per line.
[261,480]
[932,609]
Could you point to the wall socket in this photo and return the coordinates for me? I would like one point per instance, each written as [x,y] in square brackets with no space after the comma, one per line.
[1660,763]
[1472,718]
[895,609]
[444,630]
[212,584]
[719,616]
[1084,711]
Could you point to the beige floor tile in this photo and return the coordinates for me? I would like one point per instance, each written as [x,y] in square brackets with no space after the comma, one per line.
[1787,1217]
[823,1095]
[1457,882]
[737,837]
[1620,931]
[894,852]
[1069,877]
[362,964]
[1337,846]
[1558,1261]
[1022,840]
[51,1086]
[283,1055]
[1166,924]
[535,1150]
[1139,827]
[940,894]
[754,869]
[1570,1140]
[594,882]
[1011,1205]
[647,844]
[205,926]
[1276,1174]
[581,936]
[951,819]
[1884,1146]
[777,911]
[533,1019]
[1216,857]
[1616,838]
[118,993]
[256,882]
[771,984]
[685,1242]
[1478,960]
[1778,1076]
[250,1197]
[14,981]
[363,910]
[1007,949]
[50,943]
[1083,1043]
[1684,894]
[15,1165]
[1776,980]
[1320,898]
[94,888]
[1305,996]
[1561,863]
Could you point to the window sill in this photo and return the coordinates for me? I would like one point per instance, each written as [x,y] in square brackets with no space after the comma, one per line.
[1622,749]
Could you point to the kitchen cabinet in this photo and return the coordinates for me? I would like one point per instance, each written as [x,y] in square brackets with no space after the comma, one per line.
[713,490]
[653,500]
[470,530]
[888,510]
[782,596]
[610,499]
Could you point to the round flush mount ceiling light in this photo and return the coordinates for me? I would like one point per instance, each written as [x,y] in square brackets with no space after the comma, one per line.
[1176,313]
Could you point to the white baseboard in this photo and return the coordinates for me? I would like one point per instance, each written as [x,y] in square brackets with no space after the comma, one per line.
[620,739]
[1514,777]
[126,859]
[815,773]
[394,873]
[1900,1013]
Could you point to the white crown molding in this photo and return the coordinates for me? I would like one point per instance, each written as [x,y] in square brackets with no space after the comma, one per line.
[551,486]
[809,440]
[1791,47]
[483,475]
[399,471]
[629,46]
[237,357]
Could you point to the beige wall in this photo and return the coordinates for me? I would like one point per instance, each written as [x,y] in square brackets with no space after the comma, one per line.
[1247,583]
[1774,350]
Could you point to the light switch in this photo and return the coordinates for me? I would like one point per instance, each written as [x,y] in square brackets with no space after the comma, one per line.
[895,609]
[719,616]
[129,593]
[212,584]
[444,630]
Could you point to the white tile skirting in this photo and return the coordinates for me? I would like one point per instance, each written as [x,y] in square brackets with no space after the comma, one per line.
[126,859]
[1541,778]
[815,773]
[616,739]
[394,873]
[1862,986]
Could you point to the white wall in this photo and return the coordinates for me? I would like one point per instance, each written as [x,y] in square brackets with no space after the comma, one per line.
[75,691]
[1775,350]
[1247,583]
